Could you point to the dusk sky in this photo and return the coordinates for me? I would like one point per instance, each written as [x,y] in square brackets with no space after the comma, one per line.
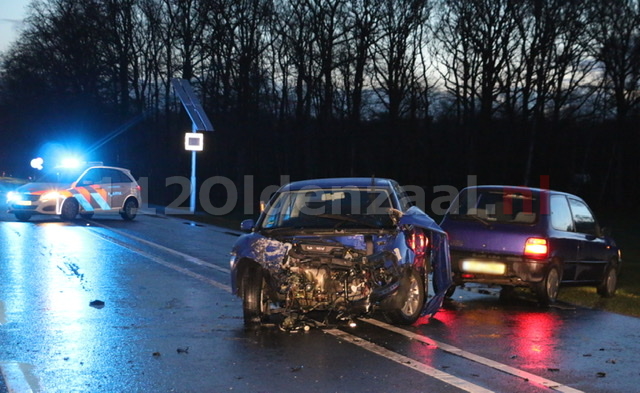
[11,14]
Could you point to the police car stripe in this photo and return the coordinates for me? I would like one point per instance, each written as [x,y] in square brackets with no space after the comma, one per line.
[100,200]
[82,199]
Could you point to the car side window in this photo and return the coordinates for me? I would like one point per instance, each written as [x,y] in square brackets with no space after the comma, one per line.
[561,214]
[110,176]
[583,218]
[91,177]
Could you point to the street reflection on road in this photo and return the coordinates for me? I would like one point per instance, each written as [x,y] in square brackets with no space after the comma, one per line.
[535,339]
[528,337]
[60,263]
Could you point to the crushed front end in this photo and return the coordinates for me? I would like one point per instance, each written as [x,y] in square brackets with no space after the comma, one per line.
[340,248]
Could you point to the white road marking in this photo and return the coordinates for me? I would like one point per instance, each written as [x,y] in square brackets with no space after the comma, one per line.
[16,377]
[476,358]
[186,257]
[3,315]
[163,262]
[408,362]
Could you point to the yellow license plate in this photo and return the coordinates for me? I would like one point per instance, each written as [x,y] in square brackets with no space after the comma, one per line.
[23,203]
[483,267]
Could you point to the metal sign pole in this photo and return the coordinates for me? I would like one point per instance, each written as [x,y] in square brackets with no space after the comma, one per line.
[199,120]
[192,197]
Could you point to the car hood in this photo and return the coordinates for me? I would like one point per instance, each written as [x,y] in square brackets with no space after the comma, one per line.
[31,188]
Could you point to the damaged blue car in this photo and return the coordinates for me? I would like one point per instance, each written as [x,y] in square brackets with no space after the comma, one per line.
[346,246]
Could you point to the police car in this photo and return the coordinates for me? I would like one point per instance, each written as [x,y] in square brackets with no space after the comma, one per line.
[67,192]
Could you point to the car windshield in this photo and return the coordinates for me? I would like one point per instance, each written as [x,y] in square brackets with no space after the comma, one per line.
[497,206]
[329,209]
[60,176]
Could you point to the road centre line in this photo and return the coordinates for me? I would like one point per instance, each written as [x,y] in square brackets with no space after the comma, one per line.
[15,377]
[186,257]
[408,362]
[3,316]
[163,262]
[476,358]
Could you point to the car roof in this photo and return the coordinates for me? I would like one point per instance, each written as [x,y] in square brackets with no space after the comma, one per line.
[108,167]
[522,189]
[338,182]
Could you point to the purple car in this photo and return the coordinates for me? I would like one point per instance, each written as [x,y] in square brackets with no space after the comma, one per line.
[345,246]
[528,237]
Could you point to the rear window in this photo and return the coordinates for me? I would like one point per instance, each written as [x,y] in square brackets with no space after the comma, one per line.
[496,206]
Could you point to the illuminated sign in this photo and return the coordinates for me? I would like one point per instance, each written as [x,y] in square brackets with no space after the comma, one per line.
[194,141]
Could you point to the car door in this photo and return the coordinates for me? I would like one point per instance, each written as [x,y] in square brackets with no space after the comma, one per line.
[565,242]
[115,185]
[90,193]
[592,252]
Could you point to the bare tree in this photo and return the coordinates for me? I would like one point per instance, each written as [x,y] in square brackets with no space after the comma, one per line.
[397,51]
[616,47]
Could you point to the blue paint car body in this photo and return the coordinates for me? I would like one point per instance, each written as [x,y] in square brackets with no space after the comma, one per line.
[347,245]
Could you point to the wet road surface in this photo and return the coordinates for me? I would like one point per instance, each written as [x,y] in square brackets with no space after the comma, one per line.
[110,306]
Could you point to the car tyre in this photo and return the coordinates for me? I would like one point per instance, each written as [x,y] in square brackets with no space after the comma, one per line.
[547,289]
[609,284]
[412,296]
[254,302]
[129,210]
[23,216]
[70,209]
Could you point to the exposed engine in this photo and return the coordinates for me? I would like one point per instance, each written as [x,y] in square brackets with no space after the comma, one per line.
[317,276]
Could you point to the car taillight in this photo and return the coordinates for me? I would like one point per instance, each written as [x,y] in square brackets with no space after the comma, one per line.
[418,242]
[536,247]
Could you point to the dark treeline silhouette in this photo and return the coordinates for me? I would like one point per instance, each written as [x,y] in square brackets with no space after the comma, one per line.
[427,92]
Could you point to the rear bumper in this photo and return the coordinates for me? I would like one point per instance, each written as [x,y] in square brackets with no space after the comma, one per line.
[517,271]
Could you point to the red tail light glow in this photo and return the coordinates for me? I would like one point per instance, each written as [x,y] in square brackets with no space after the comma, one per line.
[418,242]
[536,247]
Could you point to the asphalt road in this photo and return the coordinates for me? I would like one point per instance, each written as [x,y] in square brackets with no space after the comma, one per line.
[105,305]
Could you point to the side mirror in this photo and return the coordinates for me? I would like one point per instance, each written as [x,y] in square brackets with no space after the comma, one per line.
[247,225]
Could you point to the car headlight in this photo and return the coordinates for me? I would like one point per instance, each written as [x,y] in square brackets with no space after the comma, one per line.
[13,196]
[50,195]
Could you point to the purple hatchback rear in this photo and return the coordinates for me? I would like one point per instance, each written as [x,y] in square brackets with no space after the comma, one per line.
[528,237]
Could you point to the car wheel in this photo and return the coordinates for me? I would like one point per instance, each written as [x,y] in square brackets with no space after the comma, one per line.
[129,210]
[254,302]
[412,295]
[22,216]
[609,284]
[86,216]
[547,289]
[70,209]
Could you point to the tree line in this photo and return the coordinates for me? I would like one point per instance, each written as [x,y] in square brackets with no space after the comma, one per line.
[425,91]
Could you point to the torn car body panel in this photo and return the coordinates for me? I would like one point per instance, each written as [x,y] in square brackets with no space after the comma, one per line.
[440,257]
